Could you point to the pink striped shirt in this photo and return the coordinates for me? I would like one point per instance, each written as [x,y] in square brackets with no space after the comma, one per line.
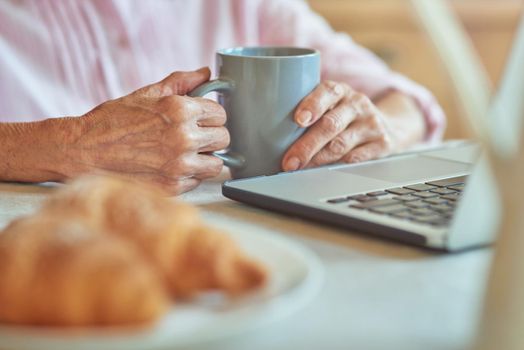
[63,57]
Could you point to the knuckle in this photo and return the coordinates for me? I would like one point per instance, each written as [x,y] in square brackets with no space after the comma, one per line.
[177,187]
[360,101]
[192,185]
[171,100]
[177,80]
[304,152]
[176,75]
[222,113]
[356,159]
[216,168]
[172,186]
[173,190]
[332,122]
[181,106]
[168,184]
[329,85]
[219,113]
[219,107]
[367,107]
[170,103]
[337,146]
[353,158]
[385,143]
[187,140]
[181,165]
[335,88]
[374,121]
[226,138]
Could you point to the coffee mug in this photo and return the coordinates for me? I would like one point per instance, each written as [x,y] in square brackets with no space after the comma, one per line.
[260,87]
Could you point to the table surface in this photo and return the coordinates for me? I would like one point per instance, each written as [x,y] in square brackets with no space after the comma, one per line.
[376,295]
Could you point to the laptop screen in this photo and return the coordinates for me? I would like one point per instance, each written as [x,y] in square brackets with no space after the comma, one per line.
[507,110]
[500,123]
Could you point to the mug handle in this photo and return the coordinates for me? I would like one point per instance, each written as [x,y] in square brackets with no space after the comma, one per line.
[231,159]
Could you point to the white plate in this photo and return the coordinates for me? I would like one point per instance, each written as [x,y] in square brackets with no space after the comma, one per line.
[296,276]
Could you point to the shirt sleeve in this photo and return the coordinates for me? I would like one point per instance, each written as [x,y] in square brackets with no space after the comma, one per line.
[292,22]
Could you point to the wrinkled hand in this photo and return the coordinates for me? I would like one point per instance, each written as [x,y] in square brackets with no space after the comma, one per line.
[155,134]
[344,126]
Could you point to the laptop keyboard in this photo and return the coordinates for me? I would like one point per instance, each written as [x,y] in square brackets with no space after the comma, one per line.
[431,203]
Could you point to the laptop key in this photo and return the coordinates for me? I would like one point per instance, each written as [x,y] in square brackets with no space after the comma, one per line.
[406,198]
[338,200]
[422,212]
[440,223]
[457,187]
[430,219]
[400,191]
[375,204]
[425,194]
[436,201]
[420,187]
[364,198]
[443,191]
[451,204]
[404,215]
[451,197]
[389,209]
[448,182]
[442,208]
[354,197]
[417,205]
[377,193]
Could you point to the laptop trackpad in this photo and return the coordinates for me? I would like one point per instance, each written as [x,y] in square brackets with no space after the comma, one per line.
[407,169]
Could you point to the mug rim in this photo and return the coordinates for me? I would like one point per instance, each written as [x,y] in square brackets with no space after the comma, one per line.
[307,52]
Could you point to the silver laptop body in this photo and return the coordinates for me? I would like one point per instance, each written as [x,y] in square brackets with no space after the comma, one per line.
[341,194]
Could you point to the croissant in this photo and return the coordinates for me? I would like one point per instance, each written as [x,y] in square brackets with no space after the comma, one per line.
[210,260]
[108,251]
[64,271]
[191,258]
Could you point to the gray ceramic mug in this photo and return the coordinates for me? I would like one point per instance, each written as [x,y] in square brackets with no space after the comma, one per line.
[260,88]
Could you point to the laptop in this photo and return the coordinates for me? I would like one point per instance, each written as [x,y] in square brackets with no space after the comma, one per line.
[443,199]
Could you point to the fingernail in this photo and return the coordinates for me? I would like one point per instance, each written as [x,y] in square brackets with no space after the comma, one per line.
[292,164]
[304,117]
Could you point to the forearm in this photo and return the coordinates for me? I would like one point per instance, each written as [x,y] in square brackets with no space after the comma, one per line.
[37,151]
[405,120]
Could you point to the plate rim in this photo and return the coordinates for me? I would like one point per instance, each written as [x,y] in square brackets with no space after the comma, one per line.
[300,296]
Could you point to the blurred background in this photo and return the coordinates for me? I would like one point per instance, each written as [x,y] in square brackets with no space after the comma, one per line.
[391,29]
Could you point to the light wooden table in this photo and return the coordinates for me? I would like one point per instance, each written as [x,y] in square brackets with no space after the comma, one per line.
[377,294]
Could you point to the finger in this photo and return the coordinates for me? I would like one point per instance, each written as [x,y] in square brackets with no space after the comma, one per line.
[184,185]
[324,97]
[367,151]
[177,83]
[212,139]
[209,166]
[200,166]
[181,186]
[169,185]
[209,113]
[356,134]
[317,136]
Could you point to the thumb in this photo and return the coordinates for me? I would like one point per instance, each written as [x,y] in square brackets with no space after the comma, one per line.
[177,83]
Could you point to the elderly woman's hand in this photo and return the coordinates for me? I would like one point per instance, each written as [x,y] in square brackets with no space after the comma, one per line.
[156,134]
[344,126]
